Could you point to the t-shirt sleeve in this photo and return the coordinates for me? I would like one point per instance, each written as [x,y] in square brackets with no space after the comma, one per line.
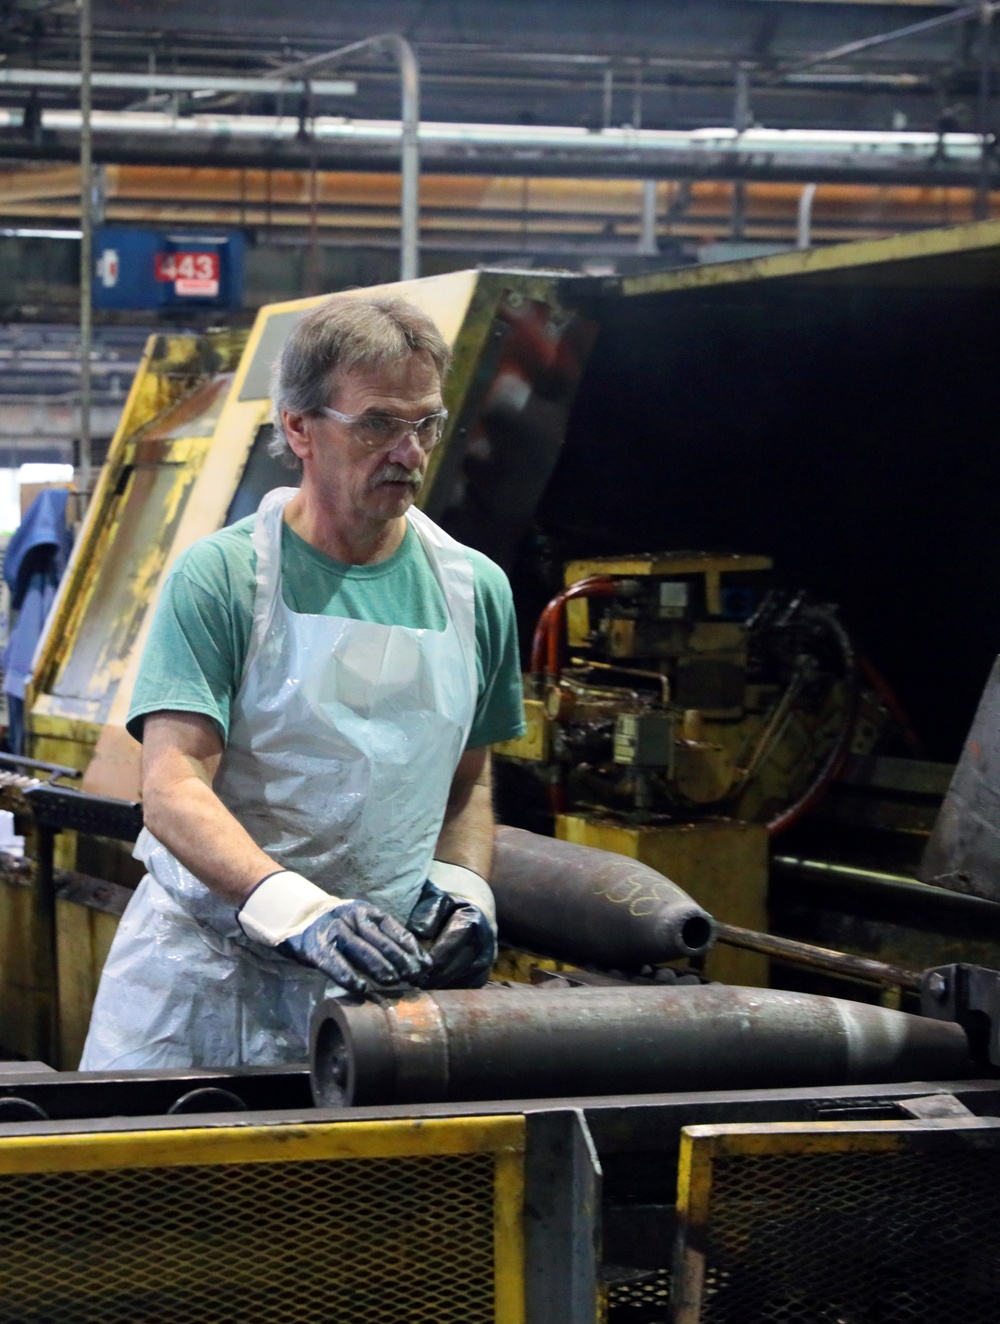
[500,709]
[189,663]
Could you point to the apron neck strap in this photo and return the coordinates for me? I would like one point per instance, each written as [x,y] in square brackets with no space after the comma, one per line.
[267,548]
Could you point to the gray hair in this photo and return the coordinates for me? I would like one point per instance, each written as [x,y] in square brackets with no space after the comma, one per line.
[341,334]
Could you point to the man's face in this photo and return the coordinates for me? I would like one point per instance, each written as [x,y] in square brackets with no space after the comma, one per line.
[375,485]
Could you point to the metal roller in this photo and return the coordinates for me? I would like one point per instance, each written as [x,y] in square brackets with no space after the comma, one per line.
[512,1042]
[591,906]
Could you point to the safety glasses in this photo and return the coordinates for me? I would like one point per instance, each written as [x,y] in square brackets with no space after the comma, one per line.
[381,432]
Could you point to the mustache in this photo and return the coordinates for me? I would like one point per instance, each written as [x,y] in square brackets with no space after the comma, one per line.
[396,473]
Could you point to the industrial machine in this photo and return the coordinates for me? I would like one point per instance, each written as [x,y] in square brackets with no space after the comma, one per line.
[680,686]
[860,1202]
[674,690]
[695,717]
[696,712]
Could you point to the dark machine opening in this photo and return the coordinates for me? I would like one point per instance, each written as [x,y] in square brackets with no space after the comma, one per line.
[841,425]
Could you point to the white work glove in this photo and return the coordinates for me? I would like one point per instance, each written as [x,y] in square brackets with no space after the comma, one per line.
[456,913]
[354,943]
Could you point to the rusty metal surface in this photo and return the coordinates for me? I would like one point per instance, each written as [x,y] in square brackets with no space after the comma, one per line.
[194,416]
[820,958]
[507,1042]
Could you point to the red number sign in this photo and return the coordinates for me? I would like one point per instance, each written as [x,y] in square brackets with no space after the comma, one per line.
[192,274]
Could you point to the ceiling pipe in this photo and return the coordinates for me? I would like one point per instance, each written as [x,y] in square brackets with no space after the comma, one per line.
[648,245]
[804,226]
[642,145]
[58,78]
[408,132]
[982,9]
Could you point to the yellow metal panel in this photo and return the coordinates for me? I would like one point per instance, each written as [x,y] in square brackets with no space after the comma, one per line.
[182,450]
[840,1137]
[332,1223]
[700,1146]
[665,563]
[58,739]
[508,1232]
[83,940]
[115,766]
[721,863]
[25,997]
[577,619]
[784,1220]
[149,392]
[262,1144]
[534,744]
[835,260]
[101,630]
[76,987]
[445,299]
[519,966]
[694,1195]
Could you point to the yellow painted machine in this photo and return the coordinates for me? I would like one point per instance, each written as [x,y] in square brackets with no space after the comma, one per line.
[190,456]
[852,1203]
[803,419]
[687,709]
[759,409]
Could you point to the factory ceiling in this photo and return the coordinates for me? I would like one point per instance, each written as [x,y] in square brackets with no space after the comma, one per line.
[655,64]
[555,110]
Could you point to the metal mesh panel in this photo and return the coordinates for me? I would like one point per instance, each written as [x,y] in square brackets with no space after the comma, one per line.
[869,1238]
[642,1301]
[387,1240]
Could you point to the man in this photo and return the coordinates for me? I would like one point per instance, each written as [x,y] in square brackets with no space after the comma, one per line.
[316,701]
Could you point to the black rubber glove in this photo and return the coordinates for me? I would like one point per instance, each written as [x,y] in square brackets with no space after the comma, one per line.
[359,947]
[354,943]
[461,948]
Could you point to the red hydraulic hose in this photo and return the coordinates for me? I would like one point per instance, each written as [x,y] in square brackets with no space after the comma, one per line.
[834,763]
[545,649]
[891,700]
[547,641]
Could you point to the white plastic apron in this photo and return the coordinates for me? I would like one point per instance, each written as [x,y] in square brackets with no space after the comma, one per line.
[344,739]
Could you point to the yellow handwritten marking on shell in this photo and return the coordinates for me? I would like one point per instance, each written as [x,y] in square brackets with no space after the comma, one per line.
[639,892]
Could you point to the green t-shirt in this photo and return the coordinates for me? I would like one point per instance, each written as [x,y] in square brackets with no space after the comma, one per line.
[193,660]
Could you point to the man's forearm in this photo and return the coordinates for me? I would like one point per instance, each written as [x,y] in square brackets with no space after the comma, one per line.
[467,833]
[181,753]
[193,823]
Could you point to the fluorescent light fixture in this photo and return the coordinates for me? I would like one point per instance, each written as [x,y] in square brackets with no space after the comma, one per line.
[21,232]
[533,141]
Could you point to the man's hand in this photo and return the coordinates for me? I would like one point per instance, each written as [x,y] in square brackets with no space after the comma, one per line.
[458,924]
[354,943]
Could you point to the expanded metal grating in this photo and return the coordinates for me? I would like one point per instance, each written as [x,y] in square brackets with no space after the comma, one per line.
[903,1237]
[643,1301]
[352,1241]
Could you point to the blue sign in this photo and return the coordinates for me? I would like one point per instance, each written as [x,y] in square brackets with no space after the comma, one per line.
[152,269]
